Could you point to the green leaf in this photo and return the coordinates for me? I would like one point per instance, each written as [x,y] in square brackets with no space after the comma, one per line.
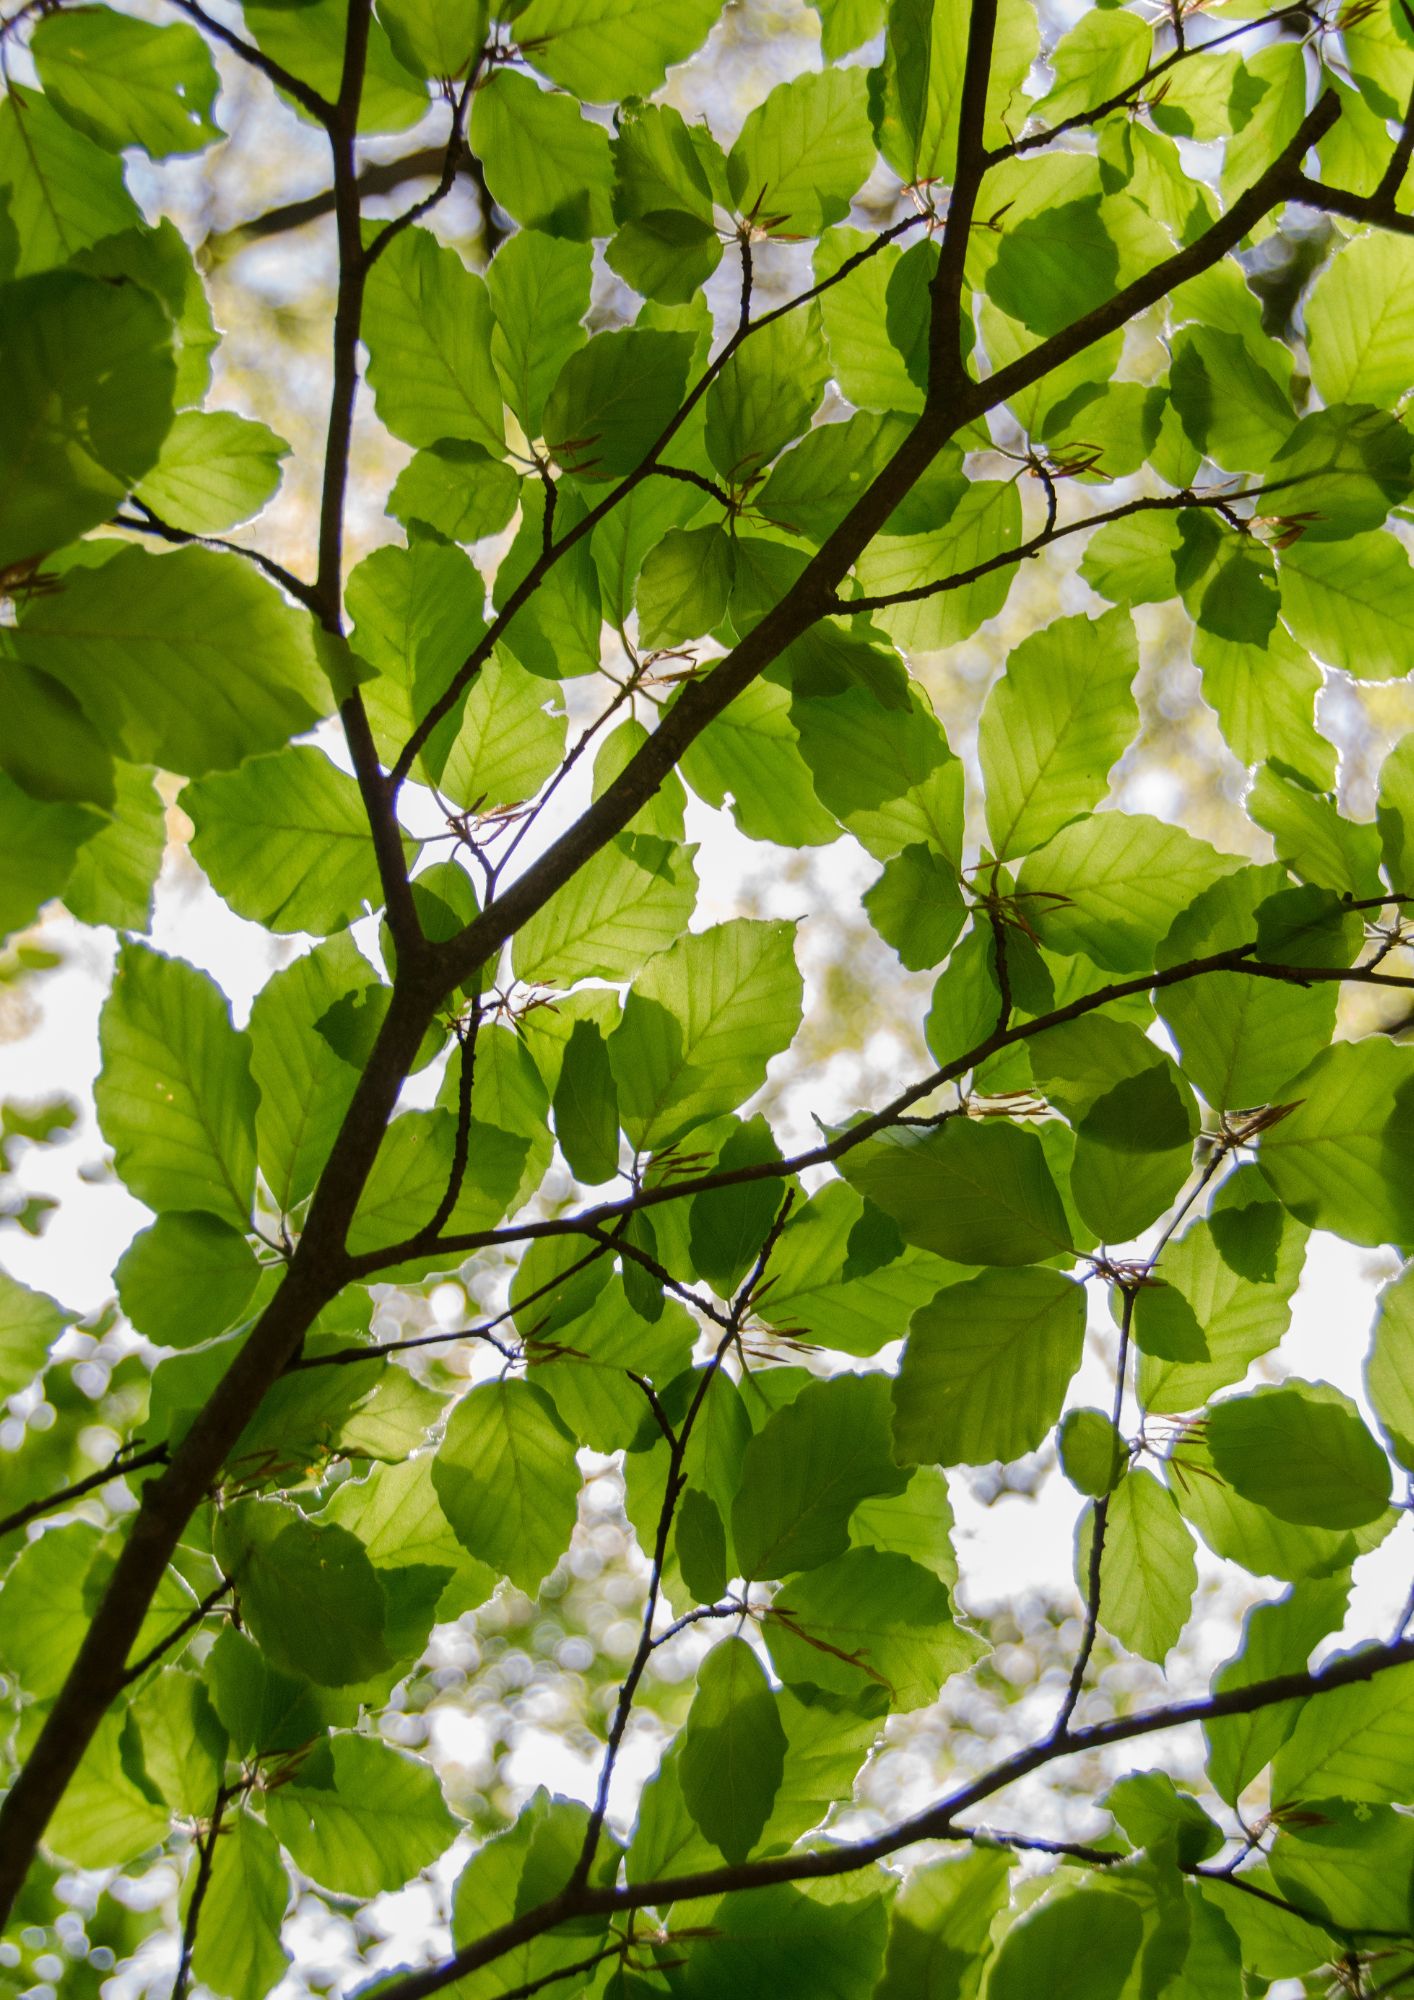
[308,1593]
[414,1169]
[1224,1297]
[870,1627]
[872,373]
[511,737]
[1061,715]
[1352,1743]
[916,906]
[1265,698]
[587,1107]
[843,1279]
[305,1084]
[1360,321]
[126,83]
[105,1816]
[46,1614]
[664,175]
[1104,54]
[1336,1161]
[916,97]
[986,1368]
[160,260]
[190,660]
[1389,1369]
[507,1480]
[613,398]
[978,1193]
[1300,1449]
[1092,1452]
[238,1950]
[214,471]
[432,38]
[262,1709]
[1148,1568]
[1053,269]
[1134,1117]
[457,489]
[940,1927]
[1394,815]
[361,1817]
[41,843]
[1231,397]
[700,1025]
[546,164]
[64,193]
[285,841]
[917,1523]
[1312,838]
[622,907]
[607,49]
[586,1362]
[1351,603]
[51,749]
[807,1469]
[733,1750]
[308,40]
[1253,1536]
[1111,885]
[1354,1864]
[183,1741]
[984,523]
[114,876]
[827,1938]
[803,154]
[728,1226]
[427,322]
[750,756]
[176,1100]
[1240,1038]
[90,379]
[1277,1638]
[684,585]
[886,774]
[539,294]
[1076,1946]
[29,1321]
[185,1279]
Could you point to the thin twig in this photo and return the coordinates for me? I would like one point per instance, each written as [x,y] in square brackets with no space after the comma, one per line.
[148,523]
[123,1461]
[178,1632]
[1236,962]
[451,163]
[205,1859]
[741,1306]
[304,94]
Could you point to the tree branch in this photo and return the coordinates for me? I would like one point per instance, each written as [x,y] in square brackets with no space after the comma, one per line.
[946,362]
[148,523]
[672,1490]
[1235,962]
[451,162]
[304,94]
[936,1822]
[123,1461]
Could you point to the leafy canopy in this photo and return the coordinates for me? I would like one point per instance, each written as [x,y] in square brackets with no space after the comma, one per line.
[699,479]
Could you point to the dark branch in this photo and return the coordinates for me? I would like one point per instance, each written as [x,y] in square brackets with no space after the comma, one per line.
[935,1822]
[123,1461]
[148,523]
[319,108]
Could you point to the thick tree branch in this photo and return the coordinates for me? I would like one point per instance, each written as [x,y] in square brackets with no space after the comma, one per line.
[320,1266]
